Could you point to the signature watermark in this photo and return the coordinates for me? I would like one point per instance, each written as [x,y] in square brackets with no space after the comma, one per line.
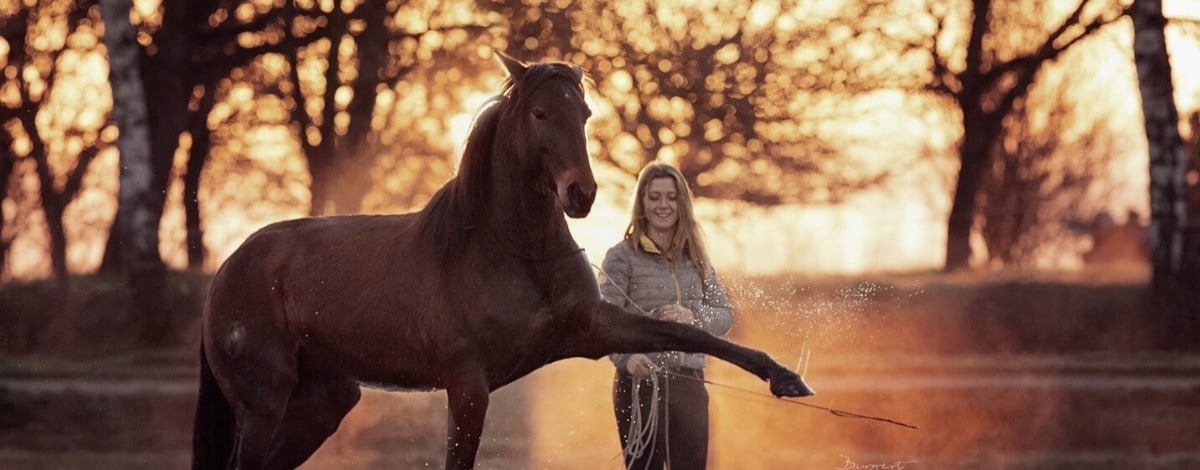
[850,464]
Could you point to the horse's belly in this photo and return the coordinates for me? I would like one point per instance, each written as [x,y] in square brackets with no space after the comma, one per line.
[395,388]
[371,363]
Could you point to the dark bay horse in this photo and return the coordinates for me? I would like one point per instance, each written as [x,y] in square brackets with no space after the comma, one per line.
[479,288]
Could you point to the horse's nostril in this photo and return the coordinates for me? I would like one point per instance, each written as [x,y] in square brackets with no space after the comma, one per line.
[578,200]
[577,194]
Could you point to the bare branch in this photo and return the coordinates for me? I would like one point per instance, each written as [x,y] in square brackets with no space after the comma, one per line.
[1054,46]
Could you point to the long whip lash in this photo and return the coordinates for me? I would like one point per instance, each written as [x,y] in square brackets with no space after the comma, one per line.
[831,410]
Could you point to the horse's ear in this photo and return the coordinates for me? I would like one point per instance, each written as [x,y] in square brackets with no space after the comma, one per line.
[516,69]
[577,71]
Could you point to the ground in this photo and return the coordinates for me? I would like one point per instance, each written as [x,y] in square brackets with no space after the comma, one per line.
[1020,370]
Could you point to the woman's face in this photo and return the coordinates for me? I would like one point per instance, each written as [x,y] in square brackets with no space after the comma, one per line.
[660,204]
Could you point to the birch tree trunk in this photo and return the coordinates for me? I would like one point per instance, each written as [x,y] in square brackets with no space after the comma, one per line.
[137,221]
[1173,252]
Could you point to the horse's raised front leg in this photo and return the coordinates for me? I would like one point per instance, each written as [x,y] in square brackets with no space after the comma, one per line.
[467,396]
[617,331]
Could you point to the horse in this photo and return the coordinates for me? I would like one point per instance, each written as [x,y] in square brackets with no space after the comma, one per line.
[482,286]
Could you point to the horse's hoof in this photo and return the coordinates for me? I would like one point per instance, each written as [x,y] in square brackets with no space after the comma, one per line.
[785,383]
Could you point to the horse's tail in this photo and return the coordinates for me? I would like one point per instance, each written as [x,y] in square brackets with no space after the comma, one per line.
[213,434]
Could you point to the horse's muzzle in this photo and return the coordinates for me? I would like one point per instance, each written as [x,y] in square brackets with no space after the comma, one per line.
[577,199]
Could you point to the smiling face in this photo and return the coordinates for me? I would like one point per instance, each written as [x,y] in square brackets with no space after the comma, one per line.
[660,205]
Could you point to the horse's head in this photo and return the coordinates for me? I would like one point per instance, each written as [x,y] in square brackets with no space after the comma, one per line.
[548,113]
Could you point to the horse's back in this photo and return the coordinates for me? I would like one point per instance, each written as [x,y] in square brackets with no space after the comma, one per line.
[341,290]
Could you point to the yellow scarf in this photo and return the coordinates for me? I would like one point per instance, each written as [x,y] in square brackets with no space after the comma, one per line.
[649,246]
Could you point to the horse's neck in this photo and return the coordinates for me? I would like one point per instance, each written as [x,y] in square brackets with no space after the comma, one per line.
[526,219]
[533,238]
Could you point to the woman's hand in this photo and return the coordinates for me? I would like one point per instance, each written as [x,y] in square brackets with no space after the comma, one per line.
[640,366]
[675,313]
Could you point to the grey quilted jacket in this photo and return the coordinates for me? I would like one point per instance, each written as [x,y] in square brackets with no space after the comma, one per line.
[642,279]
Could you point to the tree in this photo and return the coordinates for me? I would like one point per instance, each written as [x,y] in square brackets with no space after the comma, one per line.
[979,56]
[138,216]
[718,92]
[362,53]
[1174,250]
[193,44]
[1050,159]
[986,79]
[76,144]
[739,97]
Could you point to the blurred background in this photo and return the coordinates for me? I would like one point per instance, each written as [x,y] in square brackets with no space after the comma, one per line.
[954,212]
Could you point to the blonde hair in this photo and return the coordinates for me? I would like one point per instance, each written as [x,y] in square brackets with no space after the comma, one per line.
[687,240]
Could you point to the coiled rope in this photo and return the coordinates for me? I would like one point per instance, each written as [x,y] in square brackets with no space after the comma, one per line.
[641,439]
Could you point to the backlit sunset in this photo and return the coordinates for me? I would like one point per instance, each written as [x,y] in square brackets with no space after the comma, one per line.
[825,144]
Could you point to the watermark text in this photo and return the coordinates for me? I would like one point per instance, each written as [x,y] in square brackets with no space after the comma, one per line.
[850,464]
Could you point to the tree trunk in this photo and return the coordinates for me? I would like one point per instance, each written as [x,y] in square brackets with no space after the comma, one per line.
[7,161]
[137,220]
[975,148]
[191,199]
[322,158]
[52,204]
[197,155]
[110,262]
[1173,251]
[974,157]
[169,69]
[58,238]
[356,150]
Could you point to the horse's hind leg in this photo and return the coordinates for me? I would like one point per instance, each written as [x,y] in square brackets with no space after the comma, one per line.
[314,411]
[258,387]
[258,422]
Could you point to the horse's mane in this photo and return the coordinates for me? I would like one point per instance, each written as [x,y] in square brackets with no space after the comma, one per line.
[460,205]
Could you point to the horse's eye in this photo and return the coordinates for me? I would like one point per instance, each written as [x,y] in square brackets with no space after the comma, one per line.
[539,114]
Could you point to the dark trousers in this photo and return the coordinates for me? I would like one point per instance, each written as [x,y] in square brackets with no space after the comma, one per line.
[681,436]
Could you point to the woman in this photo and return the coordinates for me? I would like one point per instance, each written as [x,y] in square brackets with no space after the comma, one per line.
[660,269]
